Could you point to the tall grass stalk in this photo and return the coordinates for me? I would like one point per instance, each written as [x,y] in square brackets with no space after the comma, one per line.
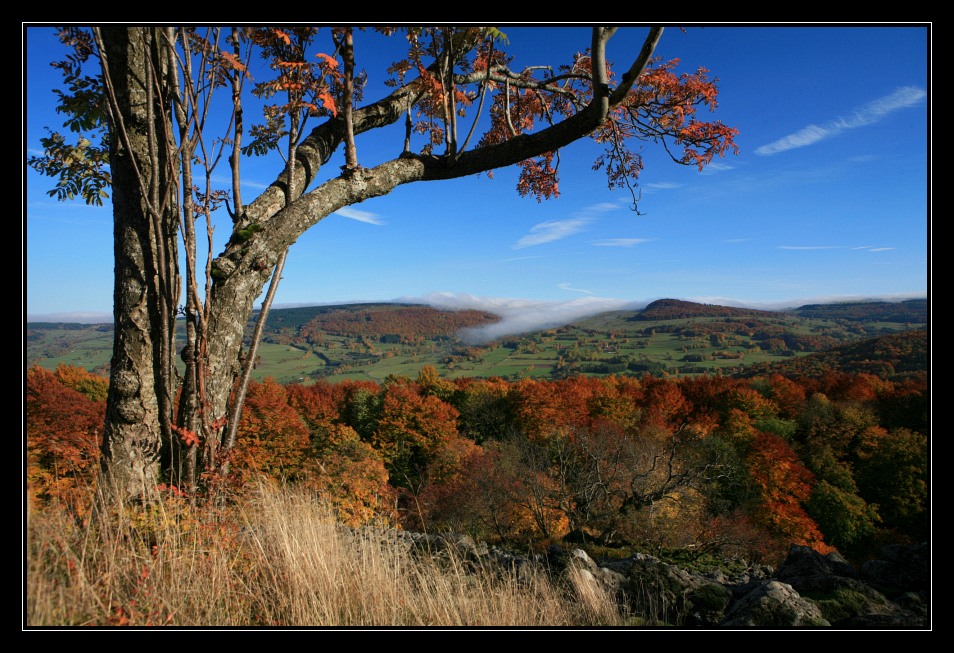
[277,558]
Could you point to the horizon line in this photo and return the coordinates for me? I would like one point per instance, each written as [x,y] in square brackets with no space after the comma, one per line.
[94,317]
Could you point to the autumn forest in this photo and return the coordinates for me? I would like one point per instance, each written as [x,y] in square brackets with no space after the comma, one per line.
[815,453]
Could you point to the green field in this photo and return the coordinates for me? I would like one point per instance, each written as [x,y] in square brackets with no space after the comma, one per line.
[610,343]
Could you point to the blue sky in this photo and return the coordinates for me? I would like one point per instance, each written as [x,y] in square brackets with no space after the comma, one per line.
[828,198]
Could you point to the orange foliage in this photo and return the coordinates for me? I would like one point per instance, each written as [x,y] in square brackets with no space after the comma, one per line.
[351,475]
[664,405]
[64,429]
[785,485]
[615,399]
[412,430]
[272,438]
[787,395]
[319,404]
[95,387]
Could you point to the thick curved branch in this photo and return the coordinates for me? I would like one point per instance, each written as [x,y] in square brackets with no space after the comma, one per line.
[639,65]
[316,148]
[243,269]
[339,192]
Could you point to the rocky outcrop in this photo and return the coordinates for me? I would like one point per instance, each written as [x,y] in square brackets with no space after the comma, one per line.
[887,593]
[900,569]
[774,605]
[807,590]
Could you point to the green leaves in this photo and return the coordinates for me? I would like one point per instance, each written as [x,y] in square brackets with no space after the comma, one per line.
[496,35]
[81,169]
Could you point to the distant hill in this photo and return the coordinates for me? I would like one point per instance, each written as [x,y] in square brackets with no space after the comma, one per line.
[669,337]
[914,311]
[675,309]
[399,321]
[889,356]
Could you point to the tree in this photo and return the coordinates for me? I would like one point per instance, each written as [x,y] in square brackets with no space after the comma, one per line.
[64,426]
[149,104]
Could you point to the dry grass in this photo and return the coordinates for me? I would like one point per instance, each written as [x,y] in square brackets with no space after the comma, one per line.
[277,559]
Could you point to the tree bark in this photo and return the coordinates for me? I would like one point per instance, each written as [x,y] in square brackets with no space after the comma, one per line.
[245,265]
[143,376]
[146,277]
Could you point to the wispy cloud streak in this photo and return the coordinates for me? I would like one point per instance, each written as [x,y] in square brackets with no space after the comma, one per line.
[547,232]
[620,242]
[359,215]
[566,286]
[805,247]
[863,248]
[904,97]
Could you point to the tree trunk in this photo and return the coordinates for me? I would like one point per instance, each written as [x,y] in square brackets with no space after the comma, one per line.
[146,277]
[139,438]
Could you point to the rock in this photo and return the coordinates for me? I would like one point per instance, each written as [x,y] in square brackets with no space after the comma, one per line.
[900,569]
[804,567]
[664,594]
[774,604]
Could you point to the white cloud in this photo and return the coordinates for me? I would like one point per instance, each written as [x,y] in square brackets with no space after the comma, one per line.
[547,232]
[868,114]
[522,315]
[801,138]
[662,185]
[517,258]
[620,242]
[566,286]
[359,215]
[713,168]
[867,248]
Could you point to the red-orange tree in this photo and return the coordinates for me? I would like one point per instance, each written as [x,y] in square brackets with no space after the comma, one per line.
[784,485]
[64,427]
[144,115]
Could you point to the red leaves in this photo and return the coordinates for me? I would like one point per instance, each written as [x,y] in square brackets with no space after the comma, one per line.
[63,429]
[188,437]
[327,102]
[785,485]
[310,86]
[539,178]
